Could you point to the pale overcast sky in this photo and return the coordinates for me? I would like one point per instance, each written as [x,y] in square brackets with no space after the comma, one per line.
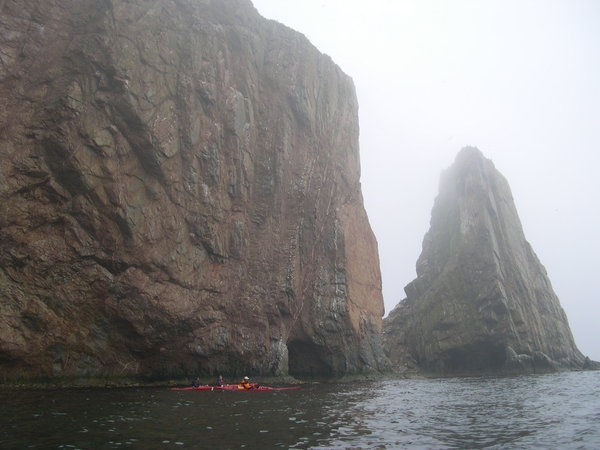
[519,79]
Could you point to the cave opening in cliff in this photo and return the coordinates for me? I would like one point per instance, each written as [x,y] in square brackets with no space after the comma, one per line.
[478,356]
[306,360]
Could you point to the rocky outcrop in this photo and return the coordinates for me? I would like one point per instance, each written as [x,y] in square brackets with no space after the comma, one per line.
[482,301]
[180,195]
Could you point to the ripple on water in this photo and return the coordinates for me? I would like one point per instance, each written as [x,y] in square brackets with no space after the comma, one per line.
[553,411]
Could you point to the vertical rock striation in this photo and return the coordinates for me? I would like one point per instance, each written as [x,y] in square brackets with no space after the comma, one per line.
[482,301]
[180,194]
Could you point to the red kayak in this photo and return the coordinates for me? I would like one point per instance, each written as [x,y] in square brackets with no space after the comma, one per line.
[235,387]
[199,388]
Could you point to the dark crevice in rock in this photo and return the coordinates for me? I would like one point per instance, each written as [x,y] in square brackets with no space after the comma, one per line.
[113,266]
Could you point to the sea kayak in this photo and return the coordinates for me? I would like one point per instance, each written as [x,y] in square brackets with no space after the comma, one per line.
[198,388]
[235,387]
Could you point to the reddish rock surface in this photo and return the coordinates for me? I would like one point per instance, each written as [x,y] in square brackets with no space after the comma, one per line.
[180,195]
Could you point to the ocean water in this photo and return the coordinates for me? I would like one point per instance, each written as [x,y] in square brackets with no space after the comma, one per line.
[540,411]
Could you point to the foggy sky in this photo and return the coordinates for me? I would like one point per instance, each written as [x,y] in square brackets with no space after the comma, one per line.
[520,80]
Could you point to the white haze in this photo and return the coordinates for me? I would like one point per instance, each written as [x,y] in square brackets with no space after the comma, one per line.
[520,80]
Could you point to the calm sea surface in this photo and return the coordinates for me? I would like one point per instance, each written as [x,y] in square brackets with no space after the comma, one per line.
[544,411]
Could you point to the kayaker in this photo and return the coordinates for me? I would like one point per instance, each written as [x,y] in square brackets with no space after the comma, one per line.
[246,383]
[196,382]
[220,381]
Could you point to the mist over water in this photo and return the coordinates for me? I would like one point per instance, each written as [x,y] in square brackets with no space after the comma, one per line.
[548,411]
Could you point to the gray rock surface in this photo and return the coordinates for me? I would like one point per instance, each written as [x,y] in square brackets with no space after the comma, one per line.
[482,301]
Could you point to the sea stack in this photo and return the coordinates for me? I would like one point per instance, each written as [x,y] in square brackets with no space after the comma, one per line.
[482,301]
[180,194]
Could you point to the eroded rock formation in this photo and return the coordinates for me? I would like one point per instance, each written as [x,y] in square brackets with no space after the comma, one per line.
[482,301]
[180,195]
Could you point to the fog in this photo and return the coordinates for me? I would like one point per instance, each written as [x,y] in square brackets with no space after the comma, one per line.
[520,80]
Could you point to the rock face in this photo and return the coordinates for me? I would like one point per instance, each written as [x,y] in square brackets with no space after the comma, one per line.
[482,301]
[180,195]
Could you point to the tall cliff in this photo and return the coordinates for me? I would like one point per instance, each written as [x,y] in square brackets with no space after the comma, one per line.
[482,301]
[180,195]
